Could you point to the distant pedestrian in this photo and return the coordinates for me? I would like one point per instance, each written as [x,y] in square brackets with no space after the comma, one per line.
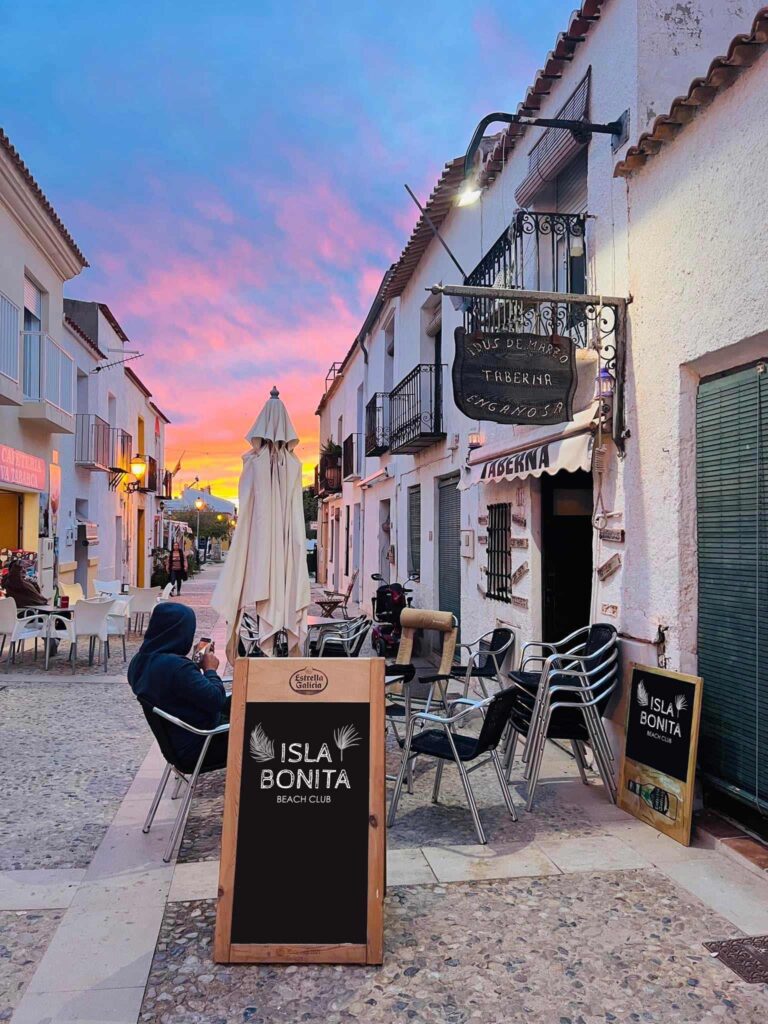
[177,566]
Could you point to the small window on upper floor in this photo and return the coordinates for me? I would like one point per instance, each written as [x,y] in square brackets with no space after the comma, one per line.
[33,307]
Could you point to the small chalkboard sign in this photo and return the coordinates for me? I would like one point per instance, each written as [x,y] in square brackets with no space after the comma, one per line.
[659,765]
[302,866]
[514,378]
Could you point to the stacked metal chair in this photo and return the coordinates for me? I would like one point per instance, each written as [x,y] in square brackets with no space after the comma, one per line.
[564,698]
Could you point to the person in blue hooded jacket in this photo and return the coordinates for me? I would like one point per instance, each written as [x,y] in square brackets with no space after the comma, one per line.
[161,674]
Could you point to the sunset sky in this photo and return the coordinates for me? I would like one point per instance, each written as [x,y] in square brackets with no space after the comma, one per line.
[234,173]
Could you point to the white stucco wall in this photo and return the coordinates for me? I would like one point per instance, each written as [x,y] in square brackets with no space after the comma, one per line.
[699,251]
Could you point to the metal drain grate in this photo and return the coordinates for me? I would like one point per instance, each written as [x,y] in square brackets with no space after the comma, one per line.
[746,957]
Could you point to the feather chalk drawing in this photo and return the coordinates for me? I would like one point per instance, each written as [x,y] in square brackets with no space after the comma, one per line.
[642,695]
[262,747]
[345,738]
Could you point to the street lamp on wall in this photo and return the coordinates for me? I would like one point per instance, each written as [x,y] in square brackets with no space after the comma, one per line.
[582,132]
[138,469]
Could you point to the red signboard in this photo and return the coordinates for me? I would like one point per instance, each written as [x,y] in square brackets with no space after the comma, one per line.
[19,468]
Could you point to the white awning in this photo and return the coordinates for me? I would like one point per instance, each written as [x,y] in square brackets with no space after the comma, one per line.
[569,448]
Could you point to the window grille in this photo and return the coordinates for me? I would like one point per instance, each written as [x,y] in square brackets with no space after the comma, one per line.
[414,529]
[499,552]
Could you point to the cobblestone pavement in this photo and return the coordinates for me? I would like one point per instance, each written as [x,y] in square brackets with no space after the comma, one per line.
[24,935]
[619,946]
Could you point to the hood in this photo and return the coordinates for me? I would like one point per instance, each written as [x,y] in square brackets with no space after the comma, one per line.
[171,630]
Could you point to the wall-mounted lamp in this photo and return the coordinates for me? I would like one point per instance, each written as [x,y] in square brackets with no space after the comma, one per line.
[577,245]
[475,440]
[138,469]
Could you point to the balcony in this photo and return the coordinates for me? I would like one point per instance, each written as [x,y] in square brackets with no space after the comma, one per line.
[333,372]
[148,483]
[329,475]
[543,252]
[377,424]
[93,442]
[351,458]
[416,410]
[165,490]
[47,379]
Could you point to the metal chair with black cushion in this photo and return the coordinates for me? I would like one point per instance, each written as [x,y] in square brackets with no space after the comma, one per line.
[565,701]
[186,771]
[443,744]
[485,657]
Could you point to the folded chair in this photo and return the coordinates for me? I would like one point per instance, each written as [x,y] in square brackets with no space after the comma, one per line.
[409,686]
[566,700]
[442,743]
[186,773]
[485,657]
[345,595]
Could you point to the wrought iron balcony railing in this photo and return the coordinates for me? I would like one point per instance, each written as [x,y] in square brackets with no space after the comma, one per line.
[543,252]
[165,489]
[93,442]
[351,458]
[377,424]
[416,410]
[329,475]
[333,372]
[120,447]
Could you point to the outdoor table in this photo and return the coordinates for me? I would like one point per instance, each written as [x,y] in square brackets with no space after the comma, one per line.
[317,622]
[328,605]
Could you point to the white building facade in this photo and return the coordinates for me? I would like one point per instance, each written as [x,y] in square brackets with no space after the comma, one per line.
[67,418]
[548,527]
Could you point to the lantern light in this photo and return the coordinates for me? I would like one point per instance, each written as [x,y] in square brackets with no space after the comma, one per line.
[138,466]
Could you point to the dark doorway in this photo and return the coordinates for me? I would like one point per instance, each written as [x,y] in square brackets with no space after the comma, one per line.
[449,546]
[566,544]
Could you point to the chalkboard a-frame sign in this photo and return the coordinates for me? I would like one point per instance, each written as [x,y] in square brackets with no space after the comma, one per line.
[303,843]
[659,766]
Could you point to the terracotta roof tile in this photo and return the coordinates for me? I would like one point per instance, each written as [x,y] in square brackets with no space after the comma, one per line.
[41,197]
[743,51]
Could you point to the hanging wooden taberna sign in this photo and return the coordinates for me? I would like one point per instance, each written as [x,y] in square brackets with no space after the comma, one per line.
[509,377]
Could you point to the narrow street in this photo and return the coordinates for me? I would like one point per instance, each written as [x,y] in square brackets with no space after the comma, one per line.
[576,912]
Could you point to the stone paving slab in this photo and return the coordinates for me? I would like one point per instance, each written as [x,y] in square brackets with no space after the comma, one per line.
[40,889]
[24,936]
[621,946]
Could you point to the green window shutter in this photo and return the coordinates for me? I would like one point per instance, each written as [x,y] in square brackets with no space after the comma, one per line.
[732,524]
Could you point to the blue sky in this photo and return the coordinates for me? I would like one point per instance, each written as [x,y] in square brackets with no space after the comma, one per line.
[234,173]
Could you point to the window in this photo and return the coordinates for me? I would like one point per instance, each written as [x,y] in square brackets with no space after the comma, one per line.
[414,529]
[33,306]
[499,552]
[346,540]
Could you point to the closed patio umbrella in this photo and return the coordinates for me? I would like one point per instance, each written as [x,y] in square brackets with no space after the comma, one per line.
[266,568]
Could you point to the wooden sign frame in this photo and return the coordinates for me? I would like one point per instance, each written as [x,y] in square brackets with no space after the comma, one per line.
[653,779]
[264,681]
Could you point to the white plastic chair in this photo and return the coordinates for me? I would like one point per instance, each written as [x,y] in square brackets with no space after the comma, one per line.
[90,618]
[24,626]
[110,588]
[119,620]
[60,627]
[143,601]
[165,596]
[8,617]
